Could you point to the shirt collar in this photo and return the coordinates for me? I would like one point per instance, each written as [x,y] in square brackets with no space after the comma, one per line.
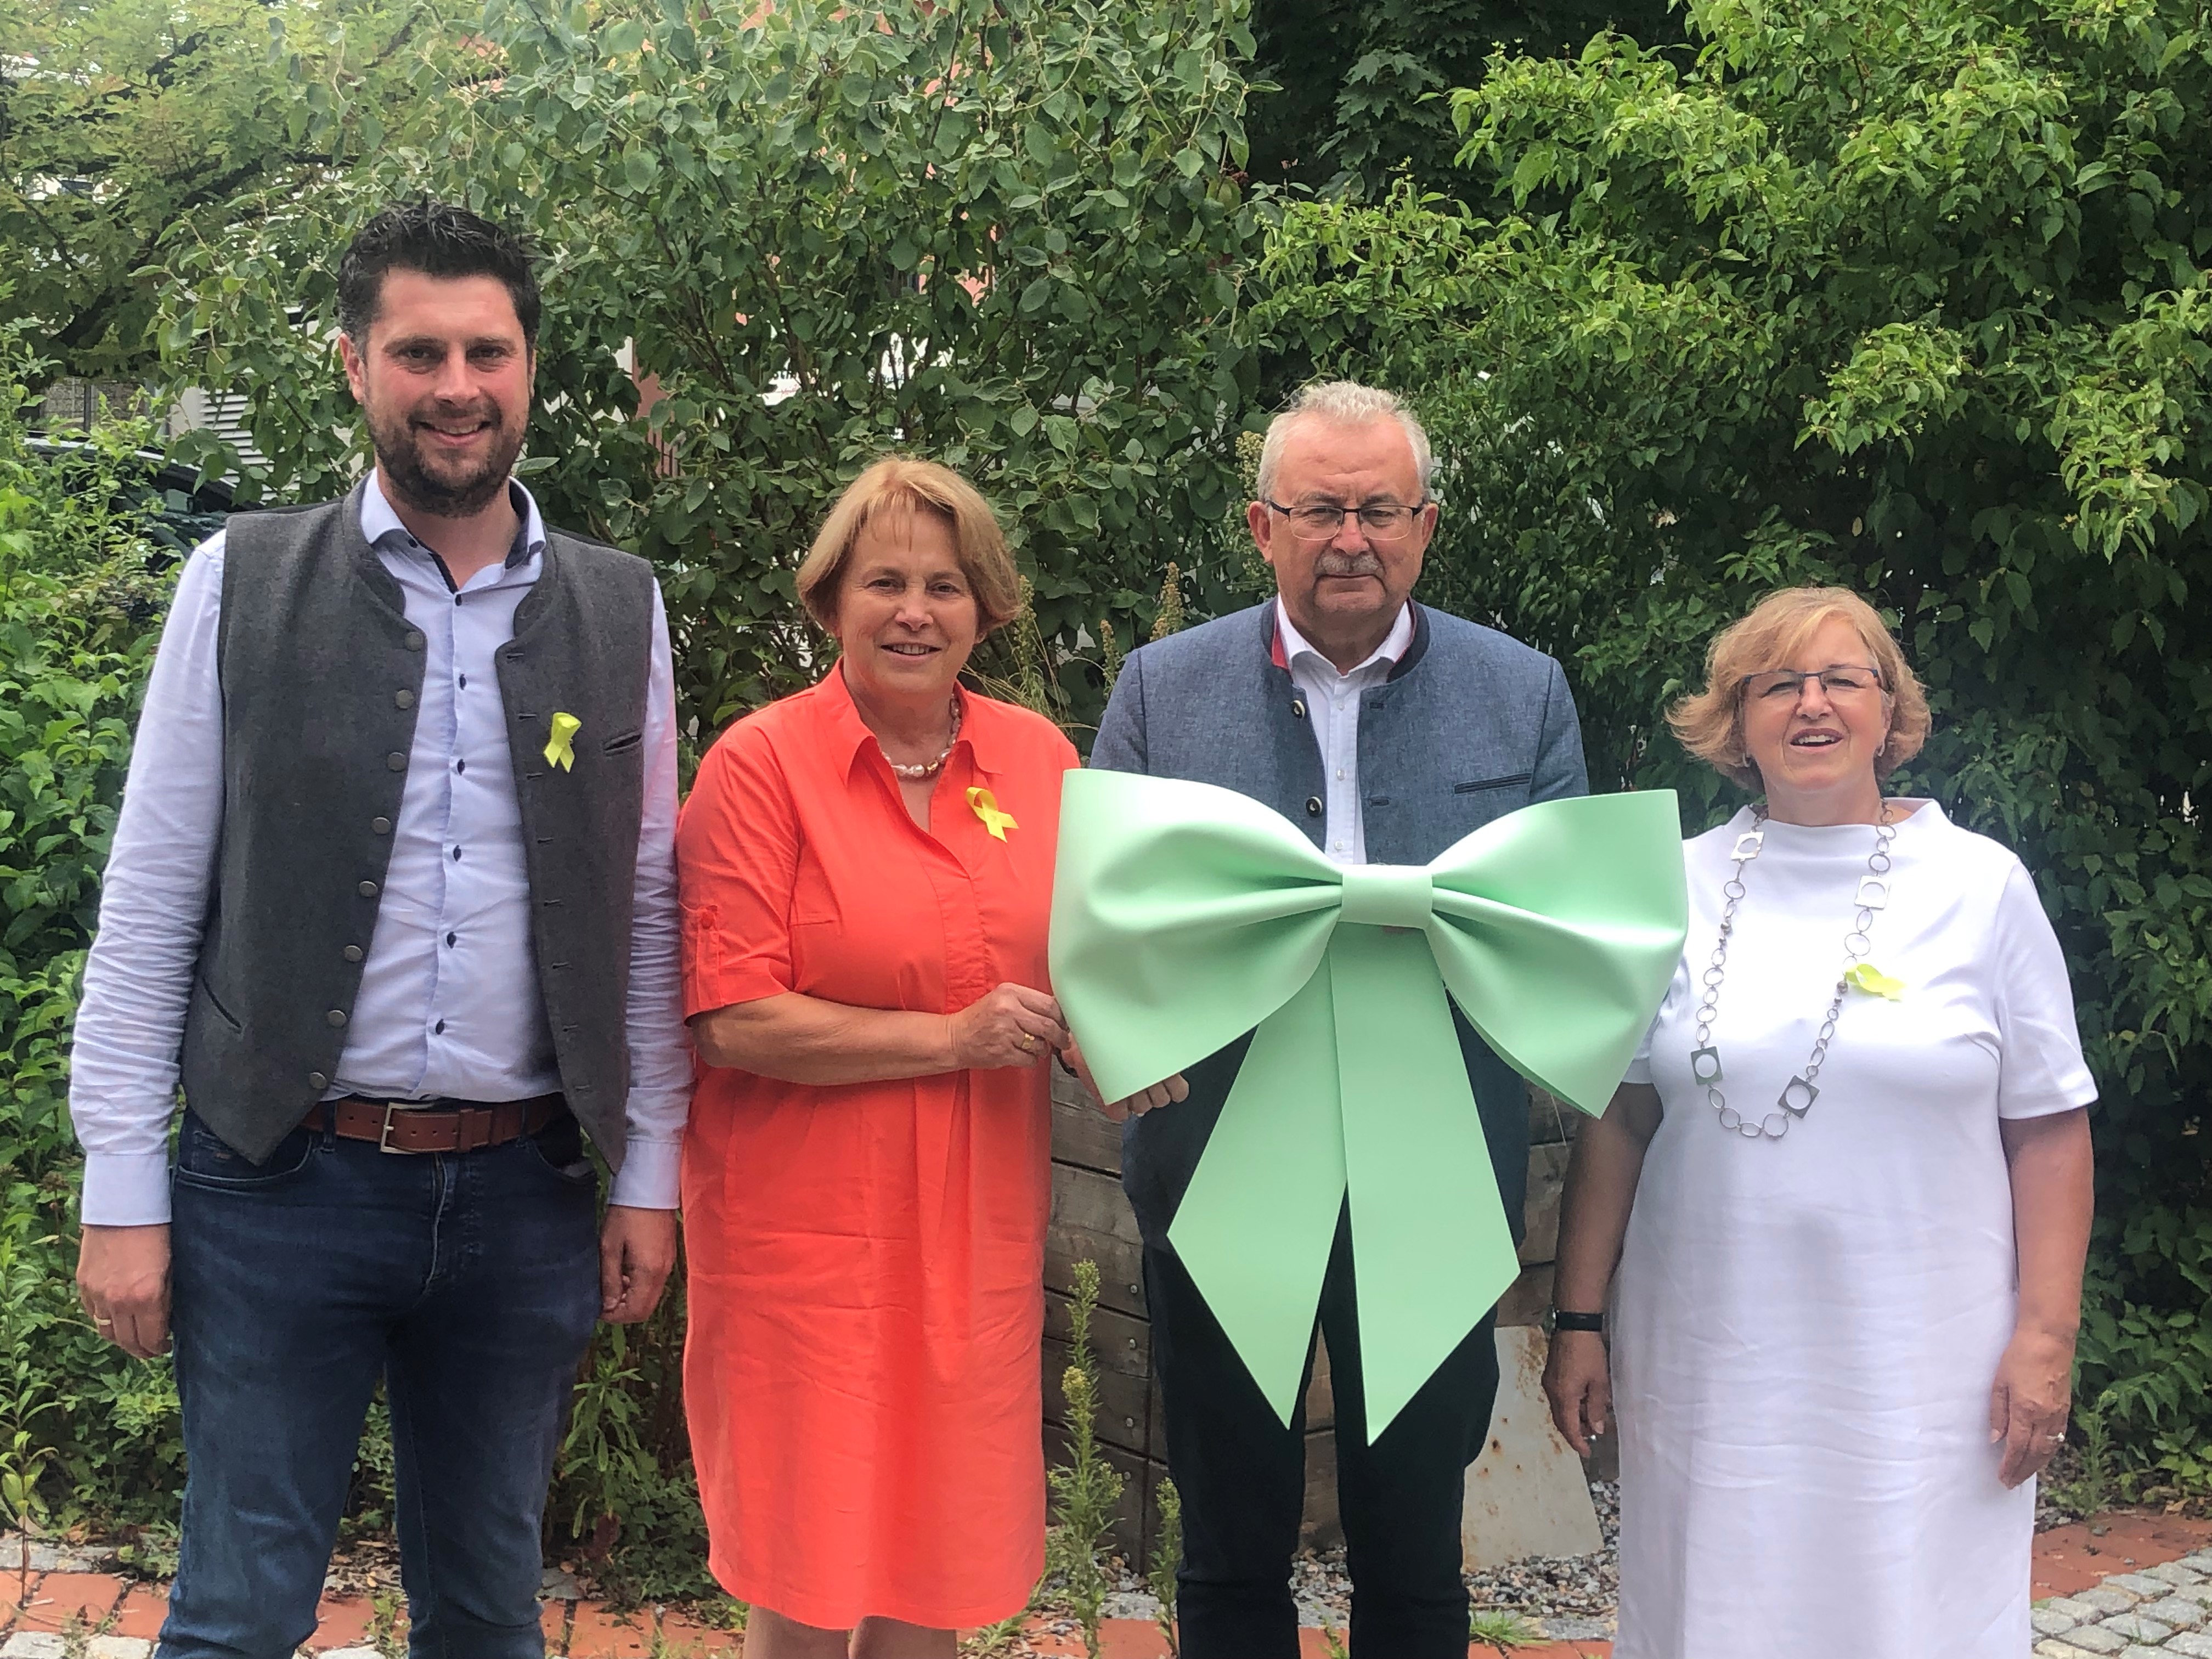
[1292,644]
[378,520]
[850,736]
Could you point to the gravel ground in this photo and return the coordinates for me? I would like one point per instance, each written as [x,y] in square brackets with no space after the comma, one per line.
[1565,1596]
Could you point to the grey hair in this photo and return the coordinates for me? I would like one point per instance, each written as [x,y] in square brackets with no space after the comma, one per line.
[1344,402]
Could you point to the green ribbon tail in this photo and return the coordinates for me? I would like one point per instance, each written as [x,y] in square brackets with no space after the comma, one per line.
[1431,1248]
[1256,1223]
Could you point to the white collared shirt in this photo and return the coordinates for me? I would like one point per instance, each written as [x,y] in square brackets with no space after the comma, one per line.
[1332,705]
[449,1001]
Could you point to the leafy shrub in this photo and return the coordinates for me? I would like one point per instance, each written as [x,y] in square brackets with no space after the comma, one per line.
[1007,234]
[75,600]
[1910,298]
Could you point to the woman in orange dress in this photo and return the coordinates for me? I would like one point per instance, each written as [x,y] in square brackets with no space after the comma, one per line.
[866,875]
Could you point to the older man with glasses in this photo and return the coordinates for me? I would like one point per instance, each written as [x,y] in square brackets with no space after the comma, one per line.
[1386,731]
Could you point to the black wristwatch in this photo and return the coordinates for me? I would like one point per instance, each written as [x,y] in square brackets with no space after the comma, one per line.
[1558,1320]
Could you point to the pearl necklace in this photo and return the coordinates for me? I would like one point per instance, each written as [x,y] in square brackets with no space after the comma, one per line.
[1798,1095]
[926,769]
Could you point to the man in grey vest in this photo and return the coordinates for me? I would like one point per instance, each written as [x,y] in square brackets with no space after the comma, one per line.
[392,896]
[1386,731]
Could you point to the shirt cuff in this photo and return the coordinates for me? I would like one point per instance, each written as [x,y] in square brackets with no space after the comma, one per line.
[126,1190]
[651,1176]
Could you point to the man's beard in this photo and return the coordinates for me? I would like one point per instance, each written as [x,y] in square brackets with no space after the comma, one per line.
[399,454]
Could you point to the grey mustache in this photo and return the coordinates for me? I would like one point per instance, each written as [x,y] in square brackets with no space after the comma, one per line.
[1347,564]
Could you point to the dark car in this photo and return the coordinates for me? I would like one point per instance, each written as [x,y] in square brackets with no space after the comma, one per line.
[182,510]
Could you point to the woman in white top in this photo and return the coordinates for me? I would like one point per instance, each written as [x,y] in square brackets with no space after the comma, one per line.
[1843,1199]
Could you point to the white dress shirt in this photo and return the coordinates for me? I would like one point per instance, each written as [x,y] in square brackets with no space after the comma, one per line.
[1332,705]
[449,1002]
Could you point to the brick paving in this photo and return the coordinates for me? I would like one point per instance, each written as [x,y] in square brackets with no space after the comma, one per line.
[2127,1586]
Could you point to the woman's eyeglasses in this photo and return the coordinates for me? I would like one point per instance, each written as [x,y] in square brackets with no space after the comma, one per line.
[1839,680]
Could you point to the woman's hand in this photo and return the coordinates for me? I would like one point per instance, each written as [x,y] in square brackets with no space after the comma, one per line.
[1012,1025]
[1578,1381]
[1145,1100]
[2028,1402]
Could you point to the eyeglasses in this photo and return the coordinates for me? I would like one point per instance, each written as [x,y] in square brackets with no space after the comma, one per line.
[1381,522]
[1840,680]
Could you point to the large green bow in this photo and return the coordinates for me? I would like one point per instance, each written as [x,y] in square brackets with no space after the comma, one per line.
[1184,916]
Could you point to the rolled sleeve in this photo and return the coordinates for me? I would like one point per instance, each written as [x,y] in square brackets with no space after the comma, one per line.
[736,858]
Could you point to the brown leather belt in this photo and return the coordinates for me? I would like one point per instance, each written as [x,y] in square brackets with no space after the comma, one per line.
[398,1126]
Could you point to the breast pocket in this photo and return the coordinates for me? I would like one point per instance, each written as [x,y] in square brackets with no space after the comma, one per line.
[1515,782]
[1477,801]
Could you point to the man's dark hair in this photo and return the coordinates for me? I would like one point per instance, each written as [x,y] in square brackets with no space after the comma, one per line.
[438,240]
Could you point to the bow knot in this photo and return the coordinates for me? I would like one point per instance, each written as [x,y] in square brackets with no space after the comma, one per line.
[1185,915]
[1388,894]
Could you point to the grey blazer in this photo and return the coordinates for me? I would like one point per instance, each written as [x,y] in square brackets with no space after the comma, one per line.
[1470,725]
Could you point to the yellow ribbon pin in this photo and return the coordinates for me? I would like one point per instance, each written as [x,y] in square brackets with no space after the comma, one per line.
[985,806]
[1865,977]
[560,750]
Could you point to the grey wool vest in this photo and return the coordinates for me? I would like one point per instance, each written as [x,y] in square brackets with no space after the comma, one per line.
[321,673]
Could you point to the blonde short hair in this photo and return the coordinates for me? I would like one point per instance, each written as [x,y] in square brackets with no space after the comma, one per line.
[1343,403]
[904,485]
[1710,723]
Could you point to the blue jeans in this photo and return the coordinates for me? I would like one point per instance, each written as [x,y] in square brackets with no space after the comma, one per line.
[469,1283]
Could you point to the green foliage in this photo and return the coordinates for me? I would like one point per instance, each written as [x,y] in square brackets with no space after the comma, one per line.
[80,1423]
[1167,1557]
[623,1492]
[1355,88]
[1910,298]
[1003,234]
[1500,1631]
[122,121]
[1085,1488]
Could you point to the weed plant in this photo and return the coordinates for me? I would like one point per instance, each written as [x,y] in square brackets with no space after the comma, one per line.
[1085,1489]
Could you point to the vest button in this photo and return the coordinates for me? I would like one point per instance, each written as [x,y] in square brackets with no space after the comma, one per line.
[395,762]
[366,889]
[382,826]
[1313,806]
[352,953]
[336,1016]
[317,1081]
[1298,707]
[414,641]
[404,699]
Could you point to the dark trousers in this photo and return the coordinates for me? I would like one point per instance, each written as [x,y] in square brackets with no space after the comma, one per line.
[1242,1475]
[469,1283]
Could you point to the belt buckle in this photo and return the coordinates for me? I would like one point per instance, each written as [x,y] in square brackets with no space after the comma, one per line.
[384,1138]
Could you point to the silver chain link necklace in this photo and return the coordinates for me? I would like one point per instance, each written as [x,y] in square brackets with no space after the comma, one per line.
[1798,1095]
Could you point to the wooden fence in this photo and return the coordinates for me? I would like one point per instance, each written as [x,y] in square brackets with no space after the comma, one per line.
[1092,1221]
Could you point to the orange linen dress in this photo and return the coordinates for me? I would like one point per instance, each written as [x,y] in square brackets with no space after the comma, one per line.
[867,1259]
